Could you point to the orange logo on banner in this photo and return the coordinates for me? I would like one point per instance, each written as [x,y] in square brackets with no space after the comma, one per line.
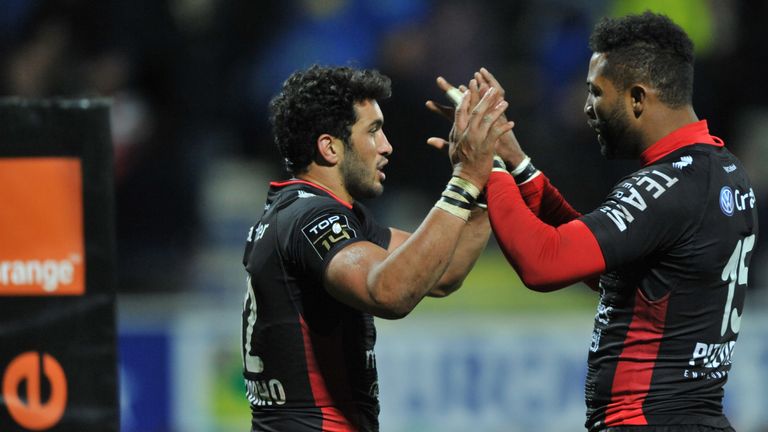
[41,227]
[33,413]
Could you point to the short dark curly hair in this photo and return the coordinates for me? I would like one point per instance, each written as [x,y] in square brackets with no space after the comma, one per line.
[320,100]
[648,48]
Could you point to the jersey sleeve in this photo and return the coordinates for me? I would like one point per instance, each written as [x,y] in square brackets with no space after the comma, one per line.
[647,211]
[320,233]
[374,232]
[545,257]
[546,202]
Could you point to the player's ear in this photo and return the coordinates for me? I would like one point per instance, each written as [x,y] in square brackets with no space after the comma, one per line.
[329,149]
[638,95]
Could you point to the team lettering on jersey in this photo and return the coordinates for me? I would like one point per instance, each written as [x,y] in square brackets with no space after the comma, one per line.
[710,361]
[712,356]
[257,232]
[633,197]
[265,392]
[602,319]
[370,359]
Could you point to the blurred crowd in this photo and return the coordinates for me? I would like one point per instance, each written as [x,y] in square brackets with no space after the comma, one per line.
[190,82]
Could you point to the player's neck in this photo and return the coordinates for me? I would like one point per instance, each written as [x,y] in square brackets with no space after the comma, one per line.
[328,178]
[667,122]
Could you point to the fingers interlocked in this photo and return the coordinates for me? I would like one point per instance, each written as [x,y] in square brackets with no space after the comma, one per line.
[479,129]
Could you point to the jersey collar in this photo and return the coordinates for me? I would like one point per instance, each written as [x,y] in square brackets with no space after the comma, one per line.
[316,186]
[694,133]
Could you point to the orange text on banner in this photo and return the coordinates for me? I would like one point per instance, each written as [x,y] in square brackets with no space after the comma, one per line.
[41,227]
[33,413]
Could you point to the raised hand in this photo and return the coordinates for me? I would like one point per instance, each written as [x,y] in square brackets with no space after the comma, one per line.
[446,111]
[443,110]
[507,147]
[477,127]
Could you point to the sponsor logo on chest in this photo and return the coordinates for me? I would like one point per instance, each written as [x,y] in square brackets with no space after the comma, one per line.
[733,200]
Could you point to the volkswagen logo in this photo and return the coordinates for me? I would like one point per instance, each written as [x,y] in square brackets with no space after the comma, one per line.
[727,202]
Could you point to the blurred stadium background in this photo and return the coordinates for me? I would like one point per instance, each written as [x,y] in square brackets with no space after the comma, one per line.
[190,82]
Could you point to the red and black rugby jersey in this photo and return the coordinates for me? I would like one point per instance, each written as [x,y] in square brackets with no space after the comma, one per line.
[309,363]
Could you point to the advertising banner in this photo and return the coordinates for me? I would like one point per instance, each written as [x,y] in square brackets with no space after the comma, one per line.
[514,372]
[57,287]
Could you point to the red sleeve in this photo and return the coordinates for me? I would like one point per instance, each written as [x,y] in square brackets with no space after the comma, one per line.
[546,202]
[546,257]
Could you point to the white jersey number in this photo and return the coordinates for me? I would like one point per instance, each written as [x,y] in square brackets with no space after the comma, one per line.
[736,272]
[252,363]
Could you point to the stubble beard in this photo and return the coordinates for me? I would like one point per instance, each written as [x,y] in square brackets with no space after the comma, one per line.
[618,141]
[358,178]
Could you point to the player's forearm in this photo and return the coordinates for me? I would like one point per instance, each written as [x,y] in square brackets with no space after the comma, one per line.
[545,257]
[554,208]
[399,282]
[472,242]
[546,202]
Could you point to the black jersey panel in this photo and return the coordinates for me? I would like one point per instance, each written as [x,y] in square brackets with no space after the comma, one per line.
[375,233]
[680,231]
[309,361]
[320,231]
[646,214]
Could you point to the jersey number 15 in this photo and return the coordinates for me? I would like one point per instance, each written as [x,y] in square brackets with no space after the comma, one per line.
[736,272]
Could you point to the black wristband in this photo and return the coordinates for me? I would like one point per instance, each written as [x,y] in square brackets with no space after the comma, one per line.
[482,200]
[457,203]
[526,175]
[463,192]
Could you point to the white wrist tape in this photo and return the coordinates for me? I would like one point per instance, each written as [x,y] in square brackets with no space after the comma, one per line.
[455,95]
[521,166]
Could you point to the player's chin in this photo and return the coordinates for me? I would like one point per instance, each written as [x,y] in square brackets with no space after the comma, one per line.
[372,190]
[605,149]
[376,189]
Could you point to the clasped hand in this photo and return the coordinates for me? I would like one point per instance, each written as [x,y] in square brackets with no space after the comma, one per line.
[506,146]
[478,124]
